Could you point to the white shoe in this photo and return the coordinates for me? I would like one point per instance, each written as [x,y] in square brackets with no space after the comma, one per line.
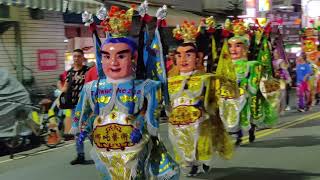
[288,108]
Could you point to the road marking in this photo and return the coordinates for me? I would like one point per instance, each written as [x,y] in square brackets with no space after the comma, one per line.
[246,141]
[36,153]
[259,134]
[308,117]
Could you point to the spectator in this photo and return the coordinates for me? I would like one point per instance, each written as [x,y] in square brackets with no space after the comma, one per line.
[303,72]
[62,80]
[92,74]
[74,83]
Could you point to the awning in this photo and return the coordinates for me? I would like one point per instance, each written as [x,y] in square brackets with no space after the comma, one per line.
[174,16]
[71,6]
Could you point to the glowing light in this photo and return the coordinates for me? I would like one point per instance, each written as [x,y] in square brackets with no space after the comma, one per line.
[251,12]
[264,5]
[313,8]
[295,50]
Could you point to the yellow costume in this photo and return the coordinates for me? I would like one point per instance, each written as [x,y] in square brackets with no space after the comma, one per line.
[195,129]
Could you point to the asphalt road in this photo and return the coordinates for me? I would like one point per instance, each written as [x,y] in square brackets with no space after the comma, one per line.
[291,151]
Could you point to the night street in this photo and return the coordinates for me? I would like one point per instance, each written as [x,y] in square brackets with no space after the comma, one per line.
[289,152]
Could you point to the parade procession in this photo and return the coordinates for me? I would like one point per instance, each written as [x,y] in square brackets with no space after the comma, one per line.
[150,96]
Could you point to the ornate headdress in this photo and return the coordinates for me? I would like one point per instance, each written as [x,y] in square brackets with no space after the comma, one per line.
[240,32]
[118,21]
[188,32]
[209,23]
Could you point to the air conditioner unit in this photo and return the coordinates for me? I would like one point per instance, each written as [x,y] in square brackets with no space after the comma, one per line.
[9,13]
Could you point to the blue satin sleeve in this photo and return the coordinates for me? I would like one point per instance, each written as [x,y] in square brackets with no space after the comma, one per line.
[152,90]
[83,109]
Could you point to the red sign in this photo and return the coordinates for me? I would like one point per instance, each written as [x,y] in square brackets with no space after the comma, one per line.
[47,59]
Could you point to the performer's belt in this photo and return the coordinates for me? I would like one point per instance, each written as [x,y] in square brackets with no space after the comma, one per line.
[113,136]
[184,115]
[224,93]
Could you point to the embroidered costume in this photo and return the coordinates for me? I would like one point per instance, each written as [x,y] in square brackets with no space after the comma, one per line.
[195,129]
[126,128]
[248,106]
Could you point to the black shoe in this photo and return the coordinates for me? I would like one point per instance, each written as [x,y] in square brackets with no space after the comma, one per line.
[252,136]
[238,142]
[194,171]
[239,138]
[205,168]
[79,160]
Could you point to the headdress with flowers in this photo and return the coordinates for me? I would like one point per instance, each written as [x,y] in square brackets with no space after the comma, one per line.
[188,32]
[118,21]
[240,31]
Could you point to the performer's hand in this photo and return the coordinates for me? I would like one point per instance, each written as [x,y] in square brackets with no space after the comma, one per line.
[135,135]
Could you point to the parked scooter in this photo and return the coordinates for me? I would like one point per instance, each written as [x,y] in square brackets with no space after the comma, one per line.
[20,120]
[14,109]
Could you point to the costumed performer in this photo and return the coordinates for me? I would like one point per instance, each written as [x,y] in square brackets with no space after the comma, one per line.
[195,129]
[126,128]
[248,78]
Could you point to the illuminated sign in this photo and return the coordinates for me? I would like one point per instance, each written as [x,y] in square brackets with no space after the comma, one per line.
[250,8]
[264,5]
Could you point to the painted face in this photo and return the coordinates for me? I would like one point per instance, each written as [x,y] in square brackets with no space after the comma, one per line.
[78,58]
[199,62]
[186,59]
[117,60]
[309,45]
[237,49]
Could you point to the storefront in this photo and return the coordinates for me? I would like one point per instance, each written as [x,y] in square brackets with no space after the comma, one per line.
[311,12]
[32,38]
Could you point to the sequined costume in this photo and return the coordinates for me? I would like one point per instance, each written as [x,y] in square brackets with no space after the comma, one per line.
[248,99]
[125,130]
[194,129]
[117,156]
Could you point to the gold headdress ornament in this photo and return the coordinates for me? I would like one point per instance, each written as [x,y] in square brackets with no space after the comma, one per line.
[187,32]
[308,32]
[240,31]
[239,28]
[210,23]
[118,22]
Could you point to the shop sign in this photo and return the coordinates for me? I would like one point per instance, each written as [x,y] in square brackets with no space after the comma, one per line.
[47,59]
[289,24]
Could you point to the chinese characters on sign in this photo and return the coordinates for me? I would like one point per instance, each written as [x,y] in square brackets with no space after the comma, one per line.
[113,136]
[47,59]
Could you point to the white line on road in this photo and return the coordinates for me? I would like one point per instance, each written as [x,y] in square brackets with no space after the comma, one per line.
[36,153]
